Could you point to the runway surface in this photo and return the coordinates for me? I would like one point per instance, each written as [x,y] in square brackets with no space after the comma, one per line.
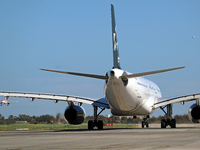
[182,138]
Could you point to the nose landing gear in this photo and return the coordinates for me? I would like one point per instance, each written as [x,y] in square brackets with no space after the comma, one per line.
[145,122]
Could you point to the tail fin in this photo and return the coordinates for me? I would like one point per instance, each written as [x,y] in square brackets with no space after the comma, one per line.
[116,59]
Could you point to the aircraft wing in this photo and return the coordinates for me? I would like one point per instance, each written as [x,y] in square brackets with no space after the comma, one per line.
[99,102]
[174,100]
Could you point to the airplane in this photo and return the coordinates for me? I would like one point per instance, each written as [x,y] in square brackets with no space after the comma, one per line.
[5,102]
[126,94]
[195,37]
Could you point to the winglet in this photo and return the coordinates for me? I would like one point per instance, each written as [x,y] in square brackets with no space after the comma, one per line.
[116,59]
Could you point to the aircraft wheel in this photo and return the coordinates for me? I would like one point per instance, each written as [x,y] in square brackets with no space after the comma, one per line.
[100,125]
[90,125]
[147,125]
[163,123]
[173,123]
[143,124]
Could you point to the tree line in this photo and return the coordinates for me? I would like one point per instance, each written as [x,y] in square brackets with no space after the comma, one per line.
[47,119]
[30,119]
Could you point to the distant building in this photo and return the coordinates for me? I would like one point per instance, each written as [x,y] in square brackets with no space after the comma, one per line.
[20,122]
[108,116]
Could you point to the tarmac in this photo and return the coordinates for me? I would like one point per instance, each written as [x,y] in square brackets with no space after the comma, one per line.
[183,137]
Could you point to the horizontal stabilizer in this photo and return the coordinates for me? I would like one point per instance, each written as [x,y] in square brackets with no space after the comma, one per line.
[78,74]
[149,73]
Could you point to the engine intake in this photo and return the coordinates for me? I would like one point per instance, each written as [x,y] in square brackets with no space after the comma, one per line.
[194,113]
[75,115]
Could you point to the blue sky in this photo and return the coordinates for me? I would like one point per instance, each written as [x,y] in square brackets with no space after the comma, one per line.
[76,36]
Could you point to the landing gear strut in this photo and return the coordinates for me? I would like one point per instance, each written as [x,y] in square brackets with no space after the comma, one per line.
[96,123]
[145,122]
[168,121]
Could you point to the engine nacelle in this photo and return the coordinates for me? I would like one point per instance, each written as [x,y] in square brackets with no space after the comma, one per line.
[194,113]
[75,115]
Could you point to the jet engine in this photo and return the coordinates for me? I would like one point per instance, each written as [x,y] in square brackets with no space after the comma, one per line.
[74,114]
[194,113]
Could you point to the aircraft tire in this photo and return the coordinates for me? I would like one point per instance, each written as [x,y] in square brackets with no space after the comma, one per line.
[90,125]
[100,125]
[147,125]
[143,124]
[163,123]
[173,123]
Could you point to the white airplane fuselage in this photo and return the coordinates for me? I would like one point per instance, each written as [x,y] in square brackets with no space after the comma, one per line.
[136,97]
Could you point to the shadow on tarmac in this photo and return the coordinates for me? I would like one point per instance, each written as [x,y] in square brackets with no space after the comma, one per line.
[105,129]
[112,129]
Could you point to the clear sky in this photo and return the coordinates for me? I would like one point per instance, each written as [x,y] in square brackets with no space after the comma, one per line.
[76,36]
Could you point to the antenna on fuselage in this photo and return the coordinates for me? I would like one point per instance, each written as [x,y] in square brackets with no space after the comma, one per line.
[116,59]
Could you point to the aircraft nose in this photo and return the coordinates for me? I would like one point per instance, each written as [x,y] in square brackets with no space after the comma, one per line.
[112,73]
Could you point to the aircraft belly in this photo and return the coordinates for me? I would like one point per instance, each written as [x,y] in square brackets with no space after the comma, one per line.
[141,111]
[121,97]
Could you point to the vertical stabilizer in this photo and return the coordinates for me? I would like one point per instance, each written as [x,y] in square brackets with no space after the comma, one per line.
[116,59]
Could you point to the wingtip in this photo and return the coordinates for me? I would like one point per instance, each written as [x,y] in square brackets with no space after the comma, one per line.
[43,69]
[182,67]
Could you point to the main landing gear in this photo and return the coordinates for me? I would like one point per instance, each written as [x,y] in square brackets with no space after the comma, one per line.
[168,121]
[95,122]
